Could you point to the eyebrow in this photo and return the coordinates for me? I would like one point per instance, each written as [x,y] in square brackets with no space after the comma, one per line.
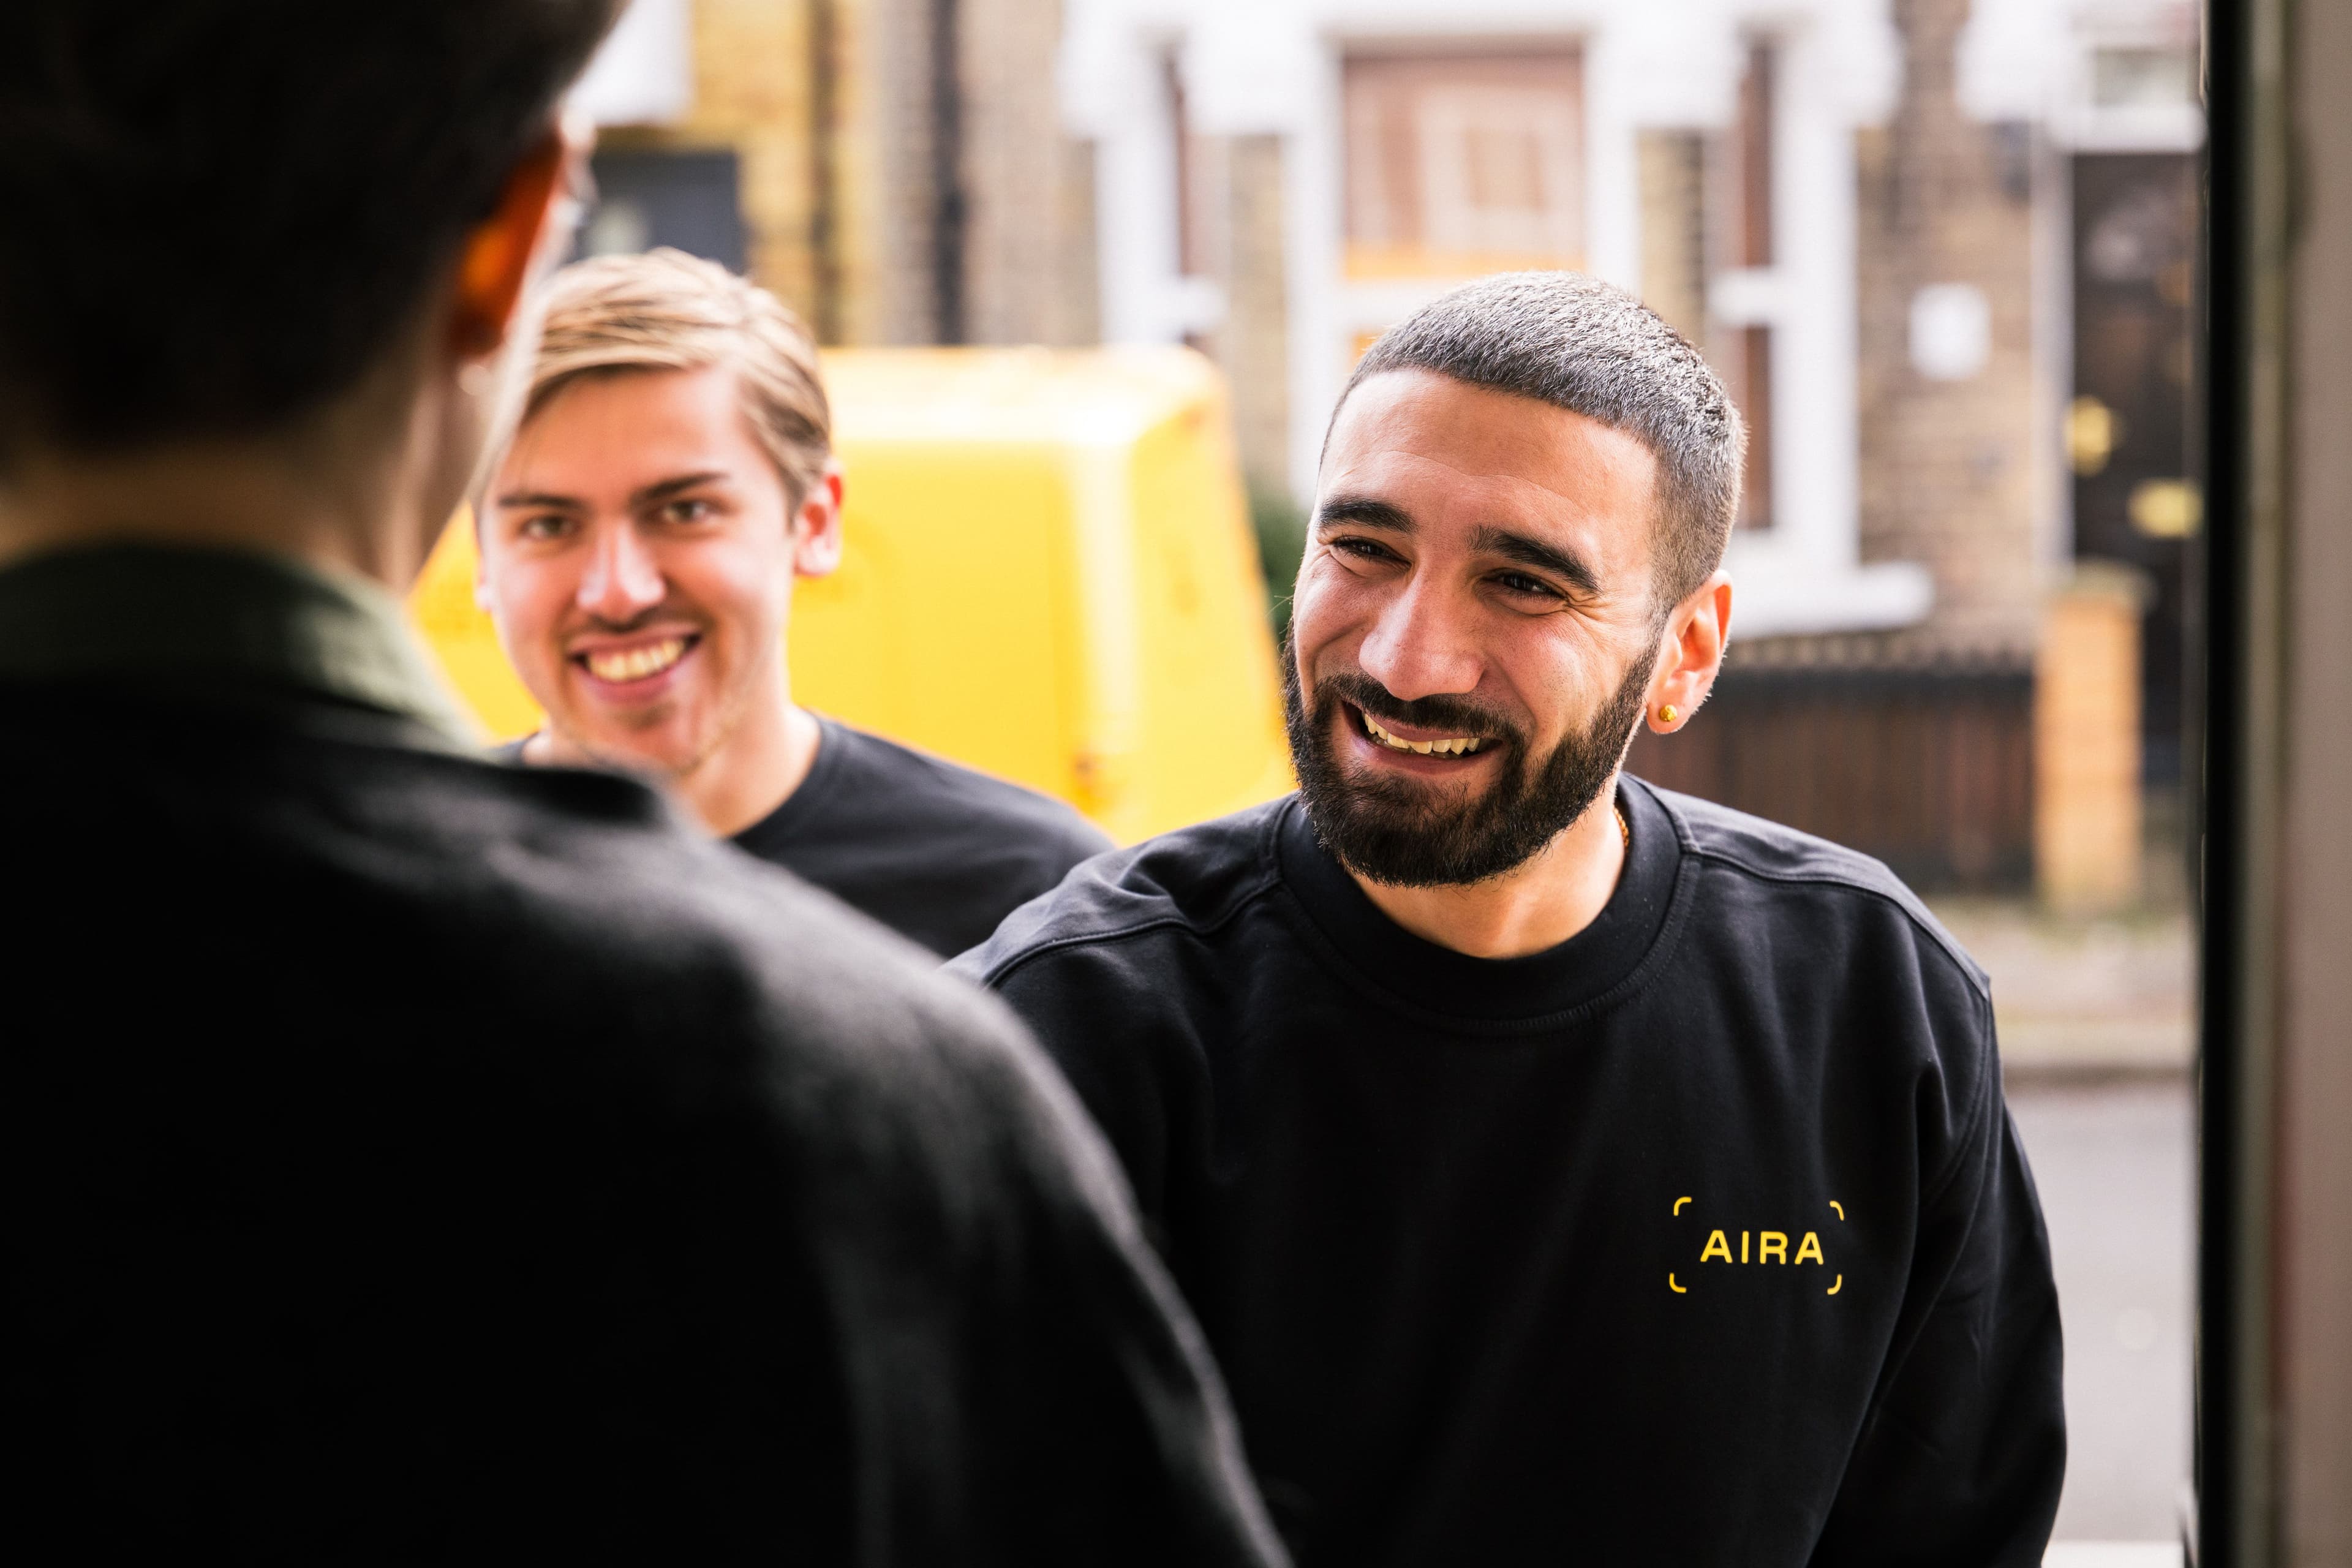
[1365,512]
[536,498]
[1536,554]
[660,490]
[666,488]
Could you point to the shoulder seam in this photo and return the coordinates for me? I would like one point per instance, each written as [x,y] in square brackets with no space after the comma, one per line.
[1942,940]
[1004,969]
[1691,844]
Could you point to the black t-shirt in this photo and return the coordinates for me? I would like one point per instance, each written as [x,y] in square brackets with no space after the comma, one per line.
[937,853]
[412,1158]
[1703,1237]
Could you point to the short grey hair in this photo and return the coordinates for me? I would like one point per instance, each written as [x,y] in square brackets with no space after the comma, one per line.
[1581,344]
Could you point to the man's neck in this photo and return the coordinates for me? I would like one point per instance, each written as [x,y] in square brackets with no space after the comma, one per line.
[224,498]
[1534,906]
[364,487]
[764,760]
[752,775]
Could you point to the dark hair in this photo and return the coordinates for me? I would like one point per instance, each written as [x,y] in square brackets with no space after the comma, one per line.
[1577,344]
[215,216]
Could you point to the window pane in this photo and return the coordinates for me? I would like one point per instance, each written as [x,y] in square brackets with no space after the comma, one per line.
[1462,164]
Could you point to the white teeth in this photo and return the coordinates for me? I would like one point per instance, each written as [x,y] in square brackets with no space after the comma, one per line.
[637,663]
[1454,746]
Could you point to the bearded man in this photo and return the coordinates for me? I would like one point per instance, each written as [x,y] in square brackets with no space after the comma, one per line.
[1564,1170]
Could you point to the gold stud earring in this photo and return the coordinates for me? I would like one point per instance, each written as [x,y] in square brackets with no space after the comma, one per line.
[1667,714]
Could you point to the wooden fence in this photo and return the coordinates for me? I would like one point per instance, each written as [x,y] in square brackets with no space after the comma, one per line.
[1931,769]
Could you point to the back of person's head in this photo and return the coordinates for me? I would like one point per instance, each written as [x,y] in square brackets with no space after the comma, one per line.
[1577,344]
[668,310]
[221,214]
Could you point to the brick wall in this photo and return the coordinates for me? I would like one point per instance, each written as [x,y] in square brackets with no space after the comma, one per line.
[1076,308]
[1012,149]
[832,108]
[752,93]
[889,196]
[2087,741]
[1948,468]
[1237,213]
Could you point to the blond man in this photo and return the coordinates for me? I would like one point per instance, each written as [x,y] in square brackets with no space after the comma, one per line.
[673,477]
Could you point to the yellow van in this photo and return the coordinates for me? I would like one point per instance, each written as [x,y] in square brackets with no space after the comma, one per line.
[1048,574]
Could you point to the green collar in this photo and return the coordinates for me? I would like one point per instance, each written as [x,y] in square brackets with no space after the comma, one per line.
[146,611]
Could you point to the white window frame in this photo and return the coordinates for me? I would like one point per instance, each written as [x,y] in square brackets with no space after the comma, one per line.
[1274,65]
[643,72]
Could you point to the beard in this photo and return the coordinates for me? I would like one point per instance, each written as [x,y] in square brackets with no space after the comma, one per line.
[1407,832]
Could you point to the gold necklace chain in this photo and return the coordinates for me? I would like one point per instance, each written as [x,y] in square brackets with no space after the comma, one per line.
[1624,828]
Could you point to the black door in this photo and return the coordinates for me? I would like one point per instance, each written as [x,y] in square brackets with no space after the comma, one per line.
[687,200]
[2136,500]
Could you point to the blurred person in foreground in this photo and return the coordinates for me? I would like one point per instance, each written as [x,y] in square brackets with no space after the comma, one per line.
[672,478]
[414,1157]
[1564,1170]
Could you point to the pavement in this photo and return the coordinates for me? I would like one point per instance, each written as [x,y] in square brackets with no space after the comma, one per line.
[2096,1022]
[2113,1554]
[2112,997]
[2114,1164]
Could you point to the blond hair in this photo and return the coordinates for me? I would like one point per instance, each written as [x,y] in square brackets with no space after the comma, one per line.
[667,310]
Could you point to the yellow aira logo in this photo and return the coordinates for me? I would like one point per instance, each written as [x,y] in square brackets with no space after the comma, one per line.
[1761,1247]
[1771,1247]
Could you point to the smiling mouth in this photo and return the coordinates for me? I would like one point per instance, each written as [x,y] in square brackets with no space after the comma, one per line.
[619,667]
[1451,746]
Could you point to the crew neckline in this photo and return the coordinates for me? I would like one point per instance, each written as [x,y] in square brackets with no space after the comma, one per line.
[1456,987]
[809,796]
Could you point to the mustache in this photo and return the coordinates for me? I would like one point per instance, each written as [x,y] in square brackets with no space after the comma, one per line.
[636,623]
[1455,715]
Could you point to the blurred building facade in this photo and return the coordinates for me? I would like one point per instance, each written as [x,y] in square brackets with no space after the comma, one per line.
[1939,250]
[898,170]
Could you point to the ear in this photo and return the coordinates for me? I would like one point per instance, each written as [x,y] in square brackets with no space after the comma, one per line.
[1691,658]
[817,526]
[496,261]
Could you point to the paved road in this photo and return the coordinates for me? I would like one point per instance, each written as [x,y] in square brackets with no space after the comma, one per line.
[2115,1166]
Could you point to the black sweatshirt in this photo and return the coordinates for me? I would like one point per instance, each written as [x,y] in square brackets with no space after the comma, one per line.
[1703,1237]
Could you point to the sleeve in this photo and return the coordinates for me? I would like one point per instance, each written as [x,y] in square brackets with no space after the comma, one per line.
[1110,1436]
[1961,1456]
[1108,1017]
